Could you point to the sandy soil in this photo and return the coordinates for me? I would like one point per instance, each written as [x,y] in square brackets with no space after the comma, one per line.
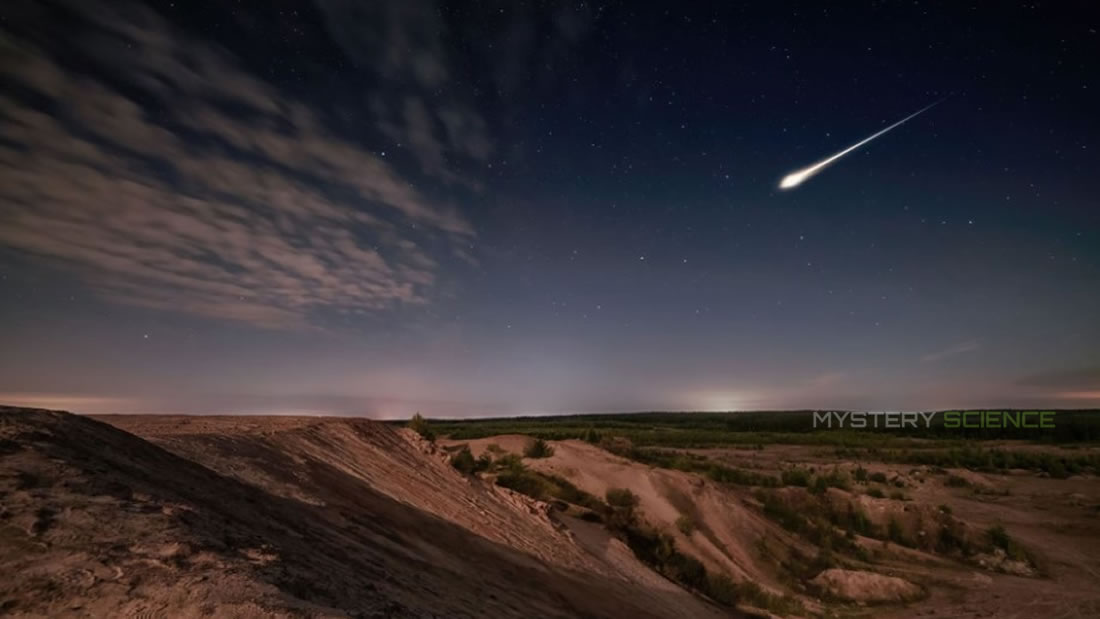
[1056,519]
[285,517]
[333,517]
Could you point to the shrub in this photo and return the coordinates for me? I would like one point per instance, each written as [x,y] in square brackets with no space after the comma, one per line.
[999,538]
[563,489]
[835,479]
[950,540]
[858,520]
[729,475]
[954,481]
[538,448]
[464,461]
[420,425]
[524,481]
[796,477]
[898,495]
[753,594]
[894,532]
[686,524]
[484,462]
[591,516]
[621,497]
[860,474]
[821,484]
[722,589]
[1057,469]
[878,477]
[876,493]
[621,503]
[685,569]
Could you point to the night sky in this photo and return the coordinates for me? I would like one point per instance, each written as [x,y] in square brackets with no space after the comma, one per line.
[474,208]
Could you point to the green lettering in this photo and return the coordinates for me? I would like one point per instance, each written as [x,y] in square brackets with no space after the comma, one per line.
[1046,419]
[951,419]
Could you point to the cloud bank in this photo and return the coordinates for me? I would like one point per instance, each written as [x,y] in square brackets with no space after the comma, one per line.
[165,175]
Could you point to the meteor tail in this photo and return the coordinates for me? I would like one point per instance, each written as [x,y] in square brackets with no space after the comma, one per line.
[796,178]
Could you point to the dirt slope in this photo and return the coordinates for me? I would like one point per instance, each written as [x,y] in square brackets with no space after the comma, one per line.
[247,517]
[725,531]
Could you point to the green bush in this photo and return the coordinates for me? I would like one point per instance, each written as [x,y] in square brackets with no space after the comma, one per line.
[591,516]
[509,462]
[878,477]
[876,493]
[722,589]
[895,534]
[820,485]
[950,541]
[464,461]
[538,448]
[686,524]
[621,503]
[834,479]
[999,538]
[755,595]
[420,425]
[795,477]
[591,435]
[525,482]
[622,498]
[860,474]
[954,481]
[859,521]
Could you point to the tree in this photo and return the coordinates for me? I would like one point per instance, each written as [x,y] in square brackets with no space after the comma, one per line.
[420,425]
[464,461]
[538,448]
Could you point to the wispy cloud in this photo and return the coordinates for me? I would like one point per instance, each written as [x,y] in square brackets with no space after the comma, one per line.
[183,182]
[958,349]
[402,42]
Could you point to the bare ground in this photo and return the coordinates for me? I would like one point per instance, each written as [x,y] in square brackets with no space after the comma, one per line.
[279,517]
[323,517]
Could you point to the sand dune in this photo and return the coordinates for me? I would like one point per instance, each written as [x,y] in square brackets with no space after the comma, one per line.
[247,517]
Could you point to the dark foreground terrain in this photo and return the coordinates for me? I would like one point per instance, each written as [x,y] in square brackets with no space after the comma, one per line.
[258,517]
[146,516]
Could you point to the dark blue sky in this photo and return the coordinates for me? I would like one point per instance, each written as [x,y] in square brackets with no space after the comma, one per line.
[500,207]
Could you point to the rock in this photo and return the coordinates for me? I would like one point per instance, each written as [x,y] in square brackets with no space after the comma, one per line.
[861,586]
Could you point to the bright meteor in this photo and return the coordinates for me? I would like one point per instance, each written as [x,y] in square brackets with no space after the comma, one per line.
[794,179]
